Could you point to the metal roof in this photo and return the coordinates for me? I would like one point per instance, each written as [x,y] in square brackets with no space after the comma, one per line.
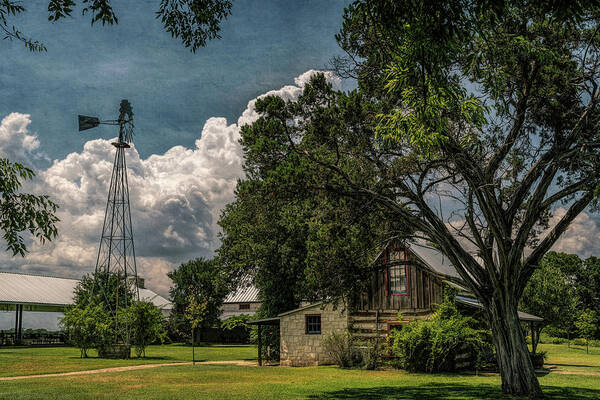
[48,290]
[433,258]
[266,321]
[244,294]
[300,308]
[471,302]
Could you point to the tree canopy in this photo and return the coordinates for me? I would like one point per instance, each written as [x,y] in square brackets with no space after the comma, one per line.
[194,22]
[204,282]
[563,291]
[551,292]
[104,303]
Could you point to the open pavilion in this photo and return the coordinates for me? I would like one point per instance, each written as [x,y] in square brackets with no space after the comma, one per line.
[25,292]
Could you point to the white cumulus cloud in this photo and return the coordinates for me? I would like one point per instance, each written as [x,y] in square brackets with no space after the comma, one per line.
[176,197]
[581,237]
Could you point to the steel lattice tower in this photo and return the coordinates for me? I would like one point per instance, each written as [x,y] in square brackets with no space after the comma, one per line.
[116,253]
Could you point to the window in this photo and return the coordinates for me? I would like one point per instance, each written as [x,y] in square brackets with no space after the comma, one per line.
[392,326]
[397,272]
[397,279]
[313,324]
[244,306]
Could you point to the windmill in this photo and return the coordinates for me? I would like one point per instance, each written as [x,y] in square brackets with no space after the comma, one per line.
[116,253]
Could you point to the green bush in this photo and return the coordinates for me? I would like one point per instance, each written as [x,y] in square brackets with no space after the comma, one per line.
[343,349]
[579,342]
[372,353]
[147,325]
[445,342]
[87,326]
[349,352]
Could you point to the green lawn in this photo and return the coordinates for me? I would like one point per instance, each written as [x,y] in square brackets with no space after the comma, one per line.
[232,382]
[572,359]
[227,381]
[45,360]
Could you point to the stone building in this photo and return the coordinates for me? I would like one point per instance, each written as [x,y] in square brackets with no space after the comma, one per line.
[302,331]
[243,301]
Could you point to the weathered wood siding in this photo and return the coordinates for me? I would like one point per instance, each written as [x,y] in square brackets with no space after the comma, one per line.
[376,309]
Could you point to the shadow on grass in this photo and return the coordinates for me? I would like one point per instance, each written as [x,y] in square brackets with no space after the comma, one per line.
[216,345]
[434,391]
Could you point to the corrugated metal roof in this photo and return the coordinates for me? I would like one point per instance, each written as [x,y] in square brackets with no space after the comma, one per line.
[471,302]
[244,294]
[35,289]
[47,290]
[300,308]
[156,299]
[434,259]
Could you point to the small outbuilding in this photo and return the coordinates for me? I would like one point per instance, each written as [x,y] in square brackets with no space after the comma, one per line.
[302,331]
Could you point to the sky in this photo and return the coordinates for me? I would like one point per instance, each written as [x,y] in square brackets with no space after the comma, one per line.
[188,111]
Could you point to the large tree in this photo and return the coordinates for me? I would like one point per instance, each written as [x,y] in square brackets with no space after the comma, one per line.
[194,22]
[492,110]
[203,281]
[551,292]
[587,284]
[480,123]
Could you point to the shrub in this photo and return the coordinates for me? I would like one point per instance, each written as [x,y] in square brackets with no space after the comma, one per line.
[579,342]
[87,326]
[239,323]
[343,349]
[445,342]
[147,325]
[372,354]
[348,352]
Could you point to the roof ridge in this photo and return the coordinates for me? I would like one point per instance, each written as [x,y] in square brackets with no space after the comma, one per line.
[41,276]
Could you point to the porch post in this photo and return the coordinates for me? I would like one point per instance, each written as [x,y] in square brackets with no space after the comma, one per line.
[534,339]
[20,323]
[260,345]
[16,324]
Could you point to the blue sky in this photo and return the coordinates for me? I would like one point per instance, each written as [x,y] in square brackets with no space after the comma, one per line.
[188,111]
[88,69]
[186,160]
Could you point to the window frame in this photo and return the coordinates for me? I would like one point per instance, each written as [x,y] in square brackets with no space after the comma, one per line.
[388,264]
[244,306]
[306,323]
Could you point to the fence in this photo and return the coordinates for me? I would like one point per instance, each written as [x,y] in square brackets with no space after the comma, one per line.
[32,337]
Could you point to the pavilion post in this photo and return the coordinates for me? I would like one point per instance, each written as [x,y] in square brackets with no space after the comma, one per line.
[20,338]
[16,323]
[260,345]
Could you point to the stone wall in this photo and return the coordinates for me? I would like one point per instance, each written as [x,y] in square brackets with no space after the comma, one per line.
[301,349]
[233,309]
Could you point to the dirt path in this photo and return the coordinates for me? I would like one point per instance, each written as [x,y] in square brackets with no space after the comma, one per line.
[567,372]
[128,368]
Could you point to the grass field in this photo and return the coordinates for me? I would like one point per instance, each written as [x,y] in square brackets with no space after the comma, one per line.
[235,382]
[45,360]
[574,358]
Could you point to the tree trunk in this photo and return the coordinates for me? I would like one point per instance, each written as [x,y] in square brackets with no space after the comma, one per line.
[516,368]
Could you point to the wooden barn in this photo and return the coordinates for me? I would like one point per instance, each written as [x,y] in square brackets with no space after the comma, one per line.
[409,279]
